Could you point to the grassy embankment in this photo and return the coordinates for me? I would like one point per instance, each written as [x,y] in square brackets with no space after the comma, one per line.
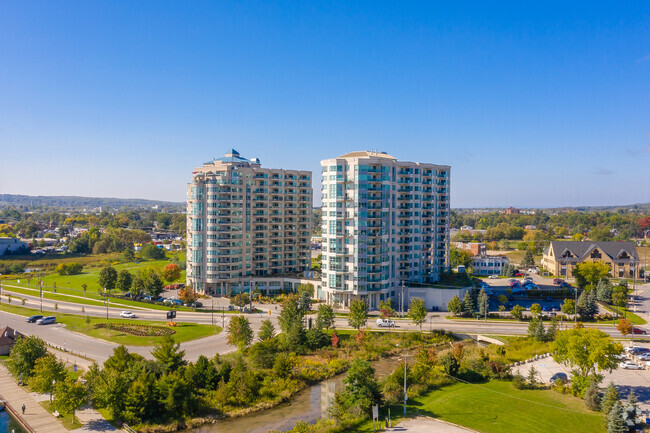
[498,407]
[87,325]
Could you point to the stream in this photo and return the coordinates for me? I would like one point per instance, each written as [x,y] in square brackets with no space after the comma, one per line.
[308,405]
[8,425]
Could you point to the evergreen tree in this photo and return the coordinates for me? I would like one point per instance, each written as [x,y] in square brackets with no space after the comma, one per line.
[529,260]
[592,398]
[615,421]
[604,291]
[587,307]
[610,397]
[483,303]
[468,304]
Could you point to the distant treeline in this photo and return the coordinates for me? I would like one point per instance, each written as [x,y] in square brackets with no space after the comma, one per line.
[69,203]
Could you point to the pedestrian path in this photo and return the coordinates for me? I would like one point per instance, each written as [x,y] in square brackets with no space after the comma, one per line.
[36,417]
[40,420]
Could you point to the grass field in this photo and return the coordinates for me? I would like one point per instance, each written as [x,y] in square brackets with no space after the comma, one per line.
[498,407]
[636,320]
[184,331]
[69,287]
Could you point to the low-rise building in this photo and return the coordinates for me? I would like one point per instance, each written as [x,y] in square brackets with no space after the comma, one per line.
[476,248]
[12,246]
[489,265]
[561,257]
[8,338]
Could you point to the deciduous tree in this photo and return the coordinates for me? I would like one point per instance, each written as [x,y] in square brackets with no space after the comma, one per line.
[70,396]
[171,272]
[590,273]
[240,333]
[107,278]
[417,311]
[586,350]
[24,354]
[455,306]
[46,370]
[358,315]
[325,316]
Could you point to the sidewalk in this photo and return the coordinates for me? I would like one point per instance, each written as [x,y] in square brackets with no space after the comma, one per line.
[40,420]
[35,416]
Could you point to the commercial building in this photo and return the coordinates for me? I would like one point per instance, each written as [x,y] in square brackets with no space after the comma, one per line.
[489,265]
[562,256]
[245,221]
[385,223]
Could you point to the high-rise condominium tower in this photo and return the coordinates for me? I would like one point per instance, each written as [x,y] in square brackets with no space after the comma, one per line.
[385,222]
[246,221]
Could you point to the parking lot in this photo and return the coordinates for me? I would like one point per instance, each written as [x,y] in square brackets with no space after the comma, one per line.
[625,380]
[500,286]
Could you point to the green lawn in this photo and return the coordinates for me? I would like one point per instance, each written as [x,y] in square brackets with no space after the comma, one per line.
[65,419]
[636,320]
[498,407]
[184,331]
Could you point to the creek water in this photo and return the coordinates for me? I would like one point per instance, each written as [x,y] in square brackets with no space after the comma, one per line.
[7,424]
[308,405]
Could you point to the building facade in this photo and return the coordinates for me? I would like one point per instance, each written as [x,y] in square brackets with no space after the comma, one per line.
[245,221]
[561,257]
[12,246]
[385,223]
[489,265]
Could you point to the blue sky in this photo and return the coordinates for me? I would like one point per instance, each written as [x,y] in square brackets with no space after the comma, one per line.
[544,104]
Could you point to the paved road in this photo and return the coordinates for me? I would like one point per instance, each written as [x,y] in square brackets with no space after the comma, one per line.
[100,350]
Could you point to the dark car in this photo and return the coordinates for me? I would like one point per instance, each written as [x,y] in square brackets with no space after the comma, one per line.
[559,376]
[557,280]
[33,319]
[639,331]
[549,299]
[564,284]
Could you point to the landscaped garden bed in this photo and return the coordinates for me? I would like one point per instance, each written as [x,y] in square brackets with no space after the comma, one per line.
[136,329]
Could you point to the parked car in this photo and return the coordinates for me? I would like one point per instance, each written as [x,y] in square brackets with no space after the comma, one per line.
[644,357]
[46,320]
[385,323]
[196,304]
[565,285]
[639,331]
[512,280]
[557,281]
[629,349]
[559,376]
[519,274]
[127,315]
[493,277]
[531,286]
[629,365]
[518,290]
[33,319]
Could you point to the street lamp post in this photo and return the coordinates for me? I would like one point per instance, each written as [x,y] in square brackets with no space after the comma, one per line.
[405,396]
[106,296]
[52,389]
[250,294]
[0,289]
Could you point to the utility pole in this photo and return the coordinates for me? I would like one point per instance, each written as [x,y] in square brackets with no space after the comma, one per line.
[106,295]
[401,308]
[250,294]
[41,284]
[212,311]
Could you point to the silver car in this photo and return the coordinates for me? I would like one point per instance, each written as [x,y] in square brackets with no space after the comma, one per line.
[46,320]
